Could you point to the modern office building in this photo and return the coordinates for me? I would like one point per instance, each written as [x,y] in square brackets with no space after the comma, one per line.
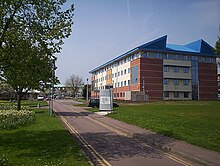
[160,71]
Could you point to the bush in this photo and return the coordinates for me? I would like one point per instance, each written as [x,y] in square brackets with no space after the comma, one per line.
[4,161]
[10,119]
[4,106]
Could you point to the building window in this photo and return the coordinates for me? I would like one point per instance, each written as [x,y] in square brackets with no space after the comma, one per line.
[128,70]
[186,69]
[114,94]
[124,94]
[175,69]
[118,73]
[128,82]
[121,72]
[165,81]
[120,94]
[134,77]
[186,82]
[121,83]
[117,94]
[115,74]
[166,68]
[166,94]
[112,75]
[124,83]
[186,94]
[176,94]
[176,82]
[115,85]
[118,84]
[125,71]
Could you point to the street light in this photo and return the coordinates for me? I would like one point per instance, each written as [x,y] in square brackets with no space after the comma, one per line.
[52,83]
[87,91]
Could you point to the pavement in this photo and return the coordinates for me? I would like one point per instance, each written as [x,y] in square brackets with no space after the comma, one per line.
[107,141]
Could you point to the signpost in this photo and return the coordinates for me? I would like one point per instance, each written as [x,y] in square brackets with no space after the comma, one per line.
[106,100]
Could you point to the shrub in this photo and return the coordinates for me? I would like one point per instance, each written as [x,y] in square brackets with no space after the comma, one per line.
[4,106]
[4,161]
[10,119]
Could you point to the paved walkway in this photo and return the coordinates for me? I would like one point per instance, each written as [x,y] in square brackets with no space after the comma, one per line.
[110,142]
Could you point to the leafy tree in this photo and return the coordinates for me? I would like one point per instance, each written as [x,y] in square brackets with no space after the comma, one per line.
[31,31]
[29,65]
[85,91]
[217,46]
[73,83]
[42,21]
[6,90]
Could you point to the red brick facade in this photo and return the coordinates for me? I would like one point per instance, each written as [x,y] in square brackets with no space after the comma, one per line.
[208,86]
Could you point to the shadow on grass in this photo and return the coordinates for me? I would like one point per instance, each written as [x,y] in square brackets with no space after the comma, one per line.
[39,144]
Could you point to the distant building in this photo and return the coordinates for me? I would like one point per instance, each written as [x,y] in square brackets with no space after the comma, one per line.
[160,71]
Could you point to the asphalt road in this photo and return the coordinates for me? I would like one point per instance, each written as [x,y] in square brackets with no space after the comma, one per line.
[108,145]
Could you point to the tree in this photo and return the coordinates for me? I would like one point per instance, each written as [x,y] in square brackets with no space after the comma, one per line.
[217,46]
[30,33]
[85,91]
[29,65]
[42,22]
[6,91]
[73,83]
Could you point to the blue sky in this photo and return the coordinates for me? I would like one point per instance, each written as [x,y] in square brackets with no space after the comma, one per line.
[104,29]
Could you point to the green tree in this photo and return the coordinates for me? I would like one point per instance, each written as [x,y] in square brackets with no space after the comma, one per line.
[42,22]
[29,65]
[6,91]
[30,33]
[217,46]
[85,91]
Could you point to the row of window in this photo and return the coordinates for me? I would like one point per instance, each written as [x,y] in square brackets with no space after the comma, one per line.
[176,69]
[123,72]
[122,94]
[176,94]
[122,83]
[178,57]
[117,74]
[175,81]
[119,84]
[158,56]
[118,63]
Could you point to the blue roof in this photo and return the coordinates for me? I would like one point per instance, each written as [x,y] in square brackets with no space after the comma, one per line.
[199,47]
[174,47]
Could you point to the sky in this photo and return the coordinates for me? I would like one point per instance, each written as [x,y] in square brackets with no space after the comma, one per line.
[105,29]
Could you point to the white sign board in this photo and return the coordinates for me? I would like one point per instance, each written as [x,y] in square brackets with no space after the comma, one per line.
[106,100]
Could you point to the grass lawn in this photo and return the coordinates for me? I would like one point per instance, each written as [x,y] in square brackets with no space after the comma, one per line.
[83,103]
[46,142]
[194,122]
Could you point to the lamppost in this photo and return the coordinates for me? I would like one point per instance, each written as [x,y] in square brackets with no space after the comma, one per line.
[87,91]
[52,84]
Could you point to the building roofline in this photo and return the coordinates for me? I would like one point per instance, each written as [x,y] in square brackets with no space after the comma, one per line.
[198,48]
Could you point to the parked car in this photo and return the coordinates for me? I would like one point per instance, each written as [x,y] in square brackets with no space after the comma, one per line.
[95,103]
[40,98]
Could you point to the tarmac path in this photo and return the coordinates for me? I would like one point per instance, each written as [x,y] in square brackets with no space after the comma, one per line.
[109,142]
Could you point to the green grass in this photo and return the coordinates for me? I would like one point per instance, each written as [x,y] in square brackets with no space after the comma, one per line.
[30,103]
[194,122]
[46,142]
[34,103]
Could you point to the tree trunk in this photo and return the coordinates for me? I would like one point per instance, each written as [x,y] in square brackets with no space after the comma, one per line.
[18,101]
